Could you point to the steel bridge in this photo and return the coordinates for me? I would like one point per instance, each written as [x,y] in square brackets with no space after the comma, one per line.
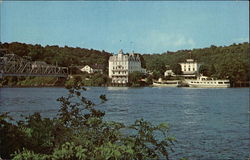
[14,65]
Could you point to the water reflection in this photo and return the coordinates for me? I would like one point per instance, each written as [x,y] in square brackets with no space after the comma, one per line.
[117,88]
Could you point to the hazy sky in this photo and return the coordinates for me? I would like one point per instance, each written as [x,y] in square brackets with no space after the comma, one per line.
[142,26]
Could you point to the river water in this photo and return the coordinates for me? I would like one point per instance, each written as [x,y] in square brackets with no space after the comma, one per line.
[207,123]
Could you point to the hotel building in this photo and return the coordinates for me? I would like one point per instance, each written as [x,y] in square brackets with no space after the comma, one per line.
[121,65]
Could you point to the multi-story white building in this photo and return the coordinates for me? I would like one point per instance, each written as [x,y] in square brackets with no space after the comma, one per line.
[121,65]
[190,67]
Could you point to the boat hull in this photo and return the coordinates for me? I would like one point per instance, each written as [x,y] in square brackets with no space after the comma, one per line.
[208,83]
[209,86]
[169,84]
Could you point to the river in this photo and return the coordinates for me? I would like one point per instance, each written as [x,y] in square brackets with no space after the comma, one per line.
[207,123]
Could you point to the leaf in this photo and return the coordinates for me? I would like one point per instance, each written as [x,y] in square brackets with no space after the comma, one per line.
[163,125]
[103,97]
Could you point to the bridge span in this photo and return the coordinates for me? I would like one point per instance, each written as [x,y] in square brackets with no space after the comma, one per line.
[14,65]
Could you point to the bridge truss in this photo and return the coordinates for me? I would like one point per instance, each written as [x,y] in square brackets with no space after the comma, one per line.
[14,65]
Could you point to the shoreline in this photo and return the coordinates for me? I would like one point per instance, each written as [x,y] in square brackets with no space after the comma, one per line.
[150,86]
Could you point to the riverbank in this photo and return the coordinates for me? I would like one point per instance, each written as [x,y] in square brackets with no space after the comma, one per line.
[32,82]
[116,86]
[94,81]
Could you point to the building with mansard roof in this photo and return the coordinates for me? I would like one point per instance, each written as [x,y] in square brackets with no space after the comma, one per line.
[190,68]
[121,65]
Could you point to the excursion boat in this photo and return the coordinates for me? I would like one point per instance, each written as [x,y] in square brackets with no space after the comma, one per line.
[169,83]
[206,82]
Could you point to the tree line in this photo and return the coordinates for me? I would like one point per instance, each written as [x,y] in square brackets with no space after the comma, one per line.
[217,61]
[62,56]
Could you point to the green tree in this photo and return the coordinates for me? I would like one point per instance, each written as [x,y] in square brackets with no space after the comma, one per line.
[204,70]
[135,77]
[36,52]
[212,70]
[157,75]
[176,68]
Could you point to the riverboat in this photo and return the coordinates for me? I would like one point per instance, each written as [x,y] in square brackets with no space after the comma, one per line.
[169,83]
[207,82]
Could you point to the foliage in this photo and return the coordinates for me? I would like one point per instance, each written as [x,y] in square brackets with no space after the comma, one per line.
[94,79]
[157,75]
[176,68]
[63,56]
[135,78]
[80,132]
[155,64]
[31,81]
[149,79]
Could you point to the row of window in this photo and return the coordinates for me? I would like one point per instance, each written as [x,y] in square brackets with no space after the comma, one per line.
[120,63]
[120,72]
[126,61]
[189,69]
[130,67]
[119,67]
[119,81]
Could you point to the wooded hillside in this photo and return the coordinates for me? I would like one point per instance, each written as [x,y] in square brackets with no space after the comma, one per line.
[63,56]
[222,62]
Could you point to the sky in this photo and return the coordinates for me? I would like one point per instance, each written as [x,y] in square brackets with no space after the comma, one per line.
[140,26]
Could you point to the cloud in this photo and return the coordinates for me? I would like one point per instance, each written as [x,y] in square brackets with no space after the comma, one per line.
[246,39]
[162,41]
[181,40]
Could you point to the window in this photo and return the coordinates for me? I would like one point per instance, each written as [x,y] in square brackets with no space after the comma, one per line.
[220,82]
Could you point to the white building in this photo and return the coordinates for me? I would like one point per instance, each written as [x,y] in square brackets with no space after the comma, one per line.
[121,65]
[92,68]
[169,72]
[190,67]
[38,64]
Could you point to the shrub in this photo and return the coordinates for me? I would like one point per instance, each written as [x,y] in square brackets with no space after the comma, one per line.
[80,132]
